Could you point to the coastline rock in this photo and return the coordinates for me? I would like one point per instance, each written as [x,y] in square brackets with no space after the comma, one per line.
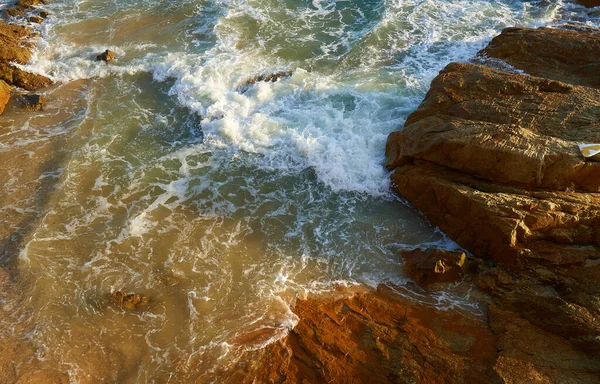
[535,52]
[36,19]
[490,157]
[30,3]
[106,56]
[432,266]
[26,80]
[32,103]
[12,47]
[14,12]
[376,337]
[269,78]
[130,301]
[5,90]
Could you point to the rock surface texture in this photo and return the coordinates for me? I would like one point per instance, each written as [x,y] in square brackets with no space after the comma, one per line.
[15,48]
[491,157]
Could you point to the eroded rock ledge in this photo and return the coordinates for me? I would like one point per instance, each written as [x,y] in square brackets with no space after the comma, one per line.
[491,158]
[16,42]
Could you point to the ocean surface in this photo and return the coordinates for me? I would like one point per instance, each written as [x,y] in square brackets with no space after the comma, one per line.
[166,173]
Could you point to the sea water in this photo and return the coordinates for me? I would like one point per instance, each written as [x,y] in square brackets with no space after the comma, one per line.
[169,173]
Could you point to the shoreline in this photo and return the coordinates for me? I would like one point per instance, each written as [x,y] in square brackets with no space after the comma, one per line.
[337,336]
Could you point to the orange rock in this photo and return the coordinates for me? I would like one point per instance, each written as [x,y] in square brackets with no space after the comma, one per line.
[11,43]
[375,337]
[5,90]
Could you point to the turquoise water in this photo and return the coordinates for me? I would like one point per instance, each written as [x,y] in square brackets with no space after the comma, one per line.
[163,173]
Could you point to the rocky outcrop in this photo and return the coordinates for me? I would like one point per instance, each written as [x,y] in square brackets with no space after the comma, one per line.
[22,79]
[13,44]
[491,157]
[15,47]
[375,337]
[106,56]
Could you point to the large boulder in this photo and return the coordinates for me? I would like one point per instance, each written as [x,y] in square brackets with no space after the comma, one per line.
[491,157]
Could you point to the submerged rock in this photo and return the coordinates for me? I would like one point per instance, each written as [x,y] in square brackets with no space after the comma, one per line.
[269,78]
[36,19]
[130,301]
[31,103]
[106,56]
[431,266]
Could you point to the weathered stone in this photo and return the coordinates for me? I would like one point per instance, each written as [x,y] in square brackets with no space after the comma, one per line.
[375,337]
[44,14]
[36,19]
[5,90]
[130,301]
[31,103]
[12,47]
[431,266]
[491,158]
[107,56]
[533,51]
[269,78]
[14,12]
[26,80]
[30,3]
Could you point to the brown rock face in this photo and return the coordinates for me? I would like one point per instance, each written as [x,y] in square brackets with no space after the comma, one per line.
[431,266]
[12,47]
[29,81]
[491,157]
[530,50]
[107,56]
[4,95]
[375,337]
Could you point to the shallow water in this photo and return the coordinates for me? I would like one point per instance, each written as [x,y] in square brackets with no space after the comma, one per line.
[164,174]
